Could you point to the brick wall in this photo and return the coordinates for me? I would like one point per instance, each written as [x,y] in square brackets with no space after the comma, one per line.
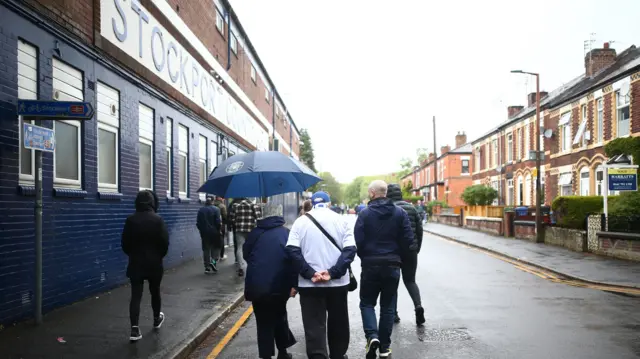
[487,225]
[619,245]
[450,219]
[76,16]
[525,230]
[607,124]
[635,107]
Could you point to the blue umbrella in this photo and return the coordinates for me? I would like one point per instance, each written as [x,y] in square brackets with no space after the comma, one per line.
[259,174]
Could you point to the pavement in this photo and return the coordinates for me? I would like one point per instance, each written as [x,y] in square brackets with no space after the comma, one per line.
[576,265]
[478,307]
[99,327]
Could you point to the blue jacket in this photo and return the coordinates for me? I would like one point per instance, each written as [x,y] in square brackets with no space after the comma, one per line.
[360,207]
[270,271]
[383,233]
[209,222]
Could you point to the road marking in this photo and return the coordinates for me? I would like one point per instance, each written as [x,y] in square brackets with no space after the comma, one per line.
[545,274]
[230,334]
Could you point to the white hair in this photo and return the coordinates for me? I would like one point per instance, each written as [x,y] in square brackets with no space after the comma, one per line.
[379,188]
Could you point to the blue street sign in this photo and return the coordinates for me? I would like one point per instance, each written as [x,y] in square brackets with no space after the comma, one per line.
[623,179]
[38,138]
[75,110]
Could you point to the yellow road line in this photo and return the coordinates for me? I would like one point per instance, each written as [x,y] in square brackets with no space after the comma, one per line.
[232,332]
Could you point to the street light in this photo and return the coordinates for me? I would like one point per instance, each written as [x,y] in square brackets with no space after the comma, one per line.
[539,235]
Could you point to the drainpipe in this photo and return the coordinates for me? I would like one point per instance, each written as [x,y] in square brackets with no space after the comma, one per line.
[228,38]
[273,116]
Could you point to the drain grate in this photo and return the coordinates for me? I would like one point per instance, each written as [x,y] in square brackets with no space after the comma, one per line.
[443,335]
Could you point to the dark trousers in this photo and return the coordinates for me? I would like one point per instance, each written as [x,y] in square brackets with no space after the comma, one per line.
[409,269]
[210,249]
[379,281]
[325,316]
[235,246]
[137,287]
[273,326]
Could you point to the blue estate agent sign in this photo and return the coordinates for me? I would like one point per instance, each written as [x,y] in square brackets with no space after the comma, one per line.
[75,110]
[623,179]
[38,138]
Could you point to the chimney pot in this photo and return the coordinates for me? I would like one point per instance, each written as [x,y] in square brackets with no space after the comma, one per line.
[606,45]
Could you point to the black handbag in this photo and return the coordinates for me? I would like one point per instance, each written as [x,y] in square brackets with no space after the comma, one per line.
[353,282]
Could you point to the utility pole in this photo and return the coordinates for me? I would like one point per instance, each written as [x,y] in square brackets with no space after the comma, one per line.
[435,161]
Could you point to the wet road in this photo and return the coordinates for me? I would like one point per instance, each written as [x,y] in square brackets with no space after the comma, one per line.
[478,306]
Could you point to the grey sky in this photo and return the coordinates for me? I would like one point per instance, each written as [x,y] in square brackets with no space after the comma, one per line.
[365,77]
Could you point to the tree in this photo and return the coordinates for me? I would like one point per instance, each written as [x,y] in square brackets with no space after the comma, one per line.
[306,150]
[422,154]
[406,166]
[352,191]
[479,195]
[330,185]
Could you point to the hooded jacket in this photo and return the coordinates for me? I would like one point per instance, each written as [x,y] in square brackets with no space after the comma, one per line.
[383,234]
[394,193]
[145,238]
[270,271]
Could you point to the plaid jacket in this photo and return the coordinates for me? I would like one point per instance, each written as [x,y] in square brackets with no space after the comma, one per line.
[244,216]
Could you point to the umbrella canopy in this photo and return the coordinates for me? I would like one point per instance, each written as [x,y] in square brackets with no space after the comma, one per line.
[259,174]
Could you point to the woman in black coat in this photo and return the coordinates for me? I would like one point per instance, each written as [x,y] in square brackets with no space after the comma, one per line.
[270,281]
[145,240]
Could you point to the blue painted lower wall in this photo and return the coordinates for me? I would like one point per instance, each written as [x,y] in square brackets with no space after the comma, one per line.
[81,234]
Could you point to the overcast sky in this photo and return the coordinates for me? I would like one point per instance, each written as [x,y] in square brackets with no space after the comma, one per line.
[365,77]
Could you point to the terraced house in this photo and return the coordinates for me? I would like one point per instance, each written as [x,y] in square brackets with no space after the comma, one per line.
[578,119]
[177,87]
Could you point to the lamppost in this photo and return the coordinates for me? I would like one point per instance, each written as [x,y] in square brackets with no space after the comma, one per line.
[539,234]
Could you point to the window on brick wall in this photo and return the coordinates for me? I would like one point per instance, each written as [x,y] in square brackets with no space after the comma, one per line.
[219,22]
[183,161]
[68,85]
[509,147]
[527,141]
[519,143]
[494,145]
[465,167]
[145,142]
[599,120]
[520,200]
[169,125]
[487,160]
[267,94]
[108,131]
[477,159]
[254,75]
[584,181]
[27,90]
[599,180]
[584,120]
[565,184]
[564,127]
[527,190]
[622,103]
[510,196]
[233,43]
[202,153]
[496,185]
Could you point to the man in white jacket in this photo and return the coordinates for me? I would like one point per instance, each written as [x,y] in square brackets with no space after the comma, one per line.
[323,247]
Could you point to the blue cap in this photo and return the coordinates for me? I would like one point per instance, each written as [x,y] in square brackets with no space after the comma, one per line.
[320,197]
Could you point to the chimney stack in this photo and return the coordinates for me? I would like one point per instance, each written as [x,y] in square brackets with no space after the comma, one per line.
[514,110]
[444,149]
[461,139]
[599,59]
[532,98]
[432,157]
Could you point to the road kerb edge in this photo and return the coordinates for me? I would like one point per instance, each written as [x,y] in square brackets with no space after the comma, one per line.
[533,264]
[185,348]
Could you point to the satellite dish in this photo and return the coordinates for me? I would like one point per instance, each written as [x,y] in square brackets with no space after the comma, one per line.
[625,88]
[548,133]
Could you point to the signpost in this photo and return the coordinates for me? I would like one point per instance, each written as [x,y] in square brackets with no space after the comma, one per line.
[42,139]
[619,175]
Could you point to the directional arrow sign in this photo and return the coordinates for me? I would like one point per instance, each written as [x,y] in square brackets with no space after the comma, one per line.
[75,110]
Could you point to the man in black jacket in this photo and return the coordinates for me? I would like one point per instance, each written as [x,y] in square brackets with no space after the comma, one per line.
[410,263]
[209,224]
[145,240]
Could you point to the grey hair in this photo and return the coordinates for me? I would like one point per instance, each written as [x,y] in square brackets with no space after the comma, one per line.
[378,187]
[271,210]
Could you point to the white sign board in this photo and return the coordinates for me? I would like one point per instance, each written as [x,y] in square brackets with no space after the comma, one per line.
[130,27]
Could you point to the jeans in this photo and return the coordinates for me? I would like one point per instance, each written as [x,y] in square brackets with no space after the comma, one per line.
[379,281]
[137,287]
[210,249]
[240,238]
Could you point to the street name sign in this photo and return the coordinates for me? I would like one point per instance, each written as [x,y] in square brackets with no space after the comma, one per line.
[623,179]
[38,138]
[63,109]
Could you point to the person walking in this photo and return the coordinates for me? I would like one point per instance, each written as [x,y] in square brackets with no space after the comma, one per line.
[270,281]
[232,231]
[145,240]
[410,262]
[219,202]
[305,207]
[244,215]
[209,224]
[322,245]
[383,236]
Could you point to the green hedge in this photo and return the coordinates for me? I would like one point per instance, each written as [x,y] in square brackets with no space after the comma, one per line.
[571,211]
[626,204]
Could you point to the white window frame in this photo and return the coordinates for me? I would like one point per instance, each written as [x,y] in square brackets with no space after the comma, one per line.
[462,171]
[494,143]
[169,149]
[477,159]
[184,153]
[565,134]
[599,120]
[496,185]
[520,192]
[527,140]
[233,41]
[510,192]
[527,190]
[584,181]
[27,58]
[599,189]
[203,161]
[150,143]
[569,185]
[66,182]
[213,155]
[116,132]
[219,22]
[487,160]
[509,147]
[254,75]
[518,143]
[267,94]
[25,178]
[625,104]
[585,115]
